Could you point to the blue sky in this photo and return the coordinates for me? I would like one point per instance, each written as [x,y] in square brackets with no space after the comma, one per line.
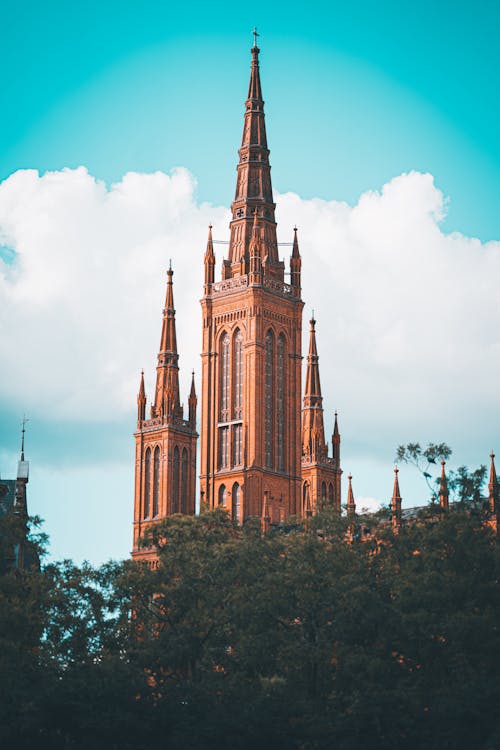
[356,94]
[366,90]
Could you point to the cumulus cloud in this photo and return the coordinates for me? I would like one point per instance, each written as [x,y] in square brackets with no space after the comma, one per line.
[408,317]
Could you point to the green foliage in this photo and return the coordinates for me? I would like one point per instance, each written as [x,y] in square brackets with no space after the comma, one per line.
[301,639]
[424,459]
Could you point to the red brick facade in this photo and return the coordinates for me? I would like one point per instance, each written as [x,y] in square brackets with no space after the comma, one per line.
[261,455]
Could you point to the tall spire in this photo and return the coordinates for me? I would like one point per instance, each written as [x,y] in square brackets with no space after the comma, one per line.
[253,185]
[313,431]
[493,486]
[141,400]
[167,404]
[444,495]
[396,502]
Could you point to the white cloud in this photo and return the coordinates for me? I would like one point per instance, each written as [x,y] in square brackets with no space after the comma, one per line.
[367,505]
[408,317]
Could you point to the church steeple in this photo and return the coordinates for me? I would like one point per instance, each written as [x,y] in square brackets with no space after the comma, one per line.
[444,495]
[253,187]
[167,404]
[313,432]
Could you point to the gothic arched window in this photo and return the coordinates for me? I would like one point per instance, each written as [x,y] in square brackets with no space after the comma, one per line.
[223,496]
[175,482]
[323,491]
[269,376]
[238,374]
[224,378]
[330,493]
[236,496]
[184,481]
[147,483]
[156,482]
[280,404]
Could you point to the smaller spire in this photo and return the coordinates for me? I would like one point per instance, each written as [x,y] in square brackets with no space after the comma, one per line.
[22,464]
[444,495]
[192,402]
[396,502]
[336,433]
[141,400]
[23,430]
[209,261]
[295,263]
[351,504]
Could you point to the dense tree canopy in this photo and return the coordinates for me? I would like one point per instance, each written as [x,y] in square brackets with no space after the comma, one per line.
[305,637]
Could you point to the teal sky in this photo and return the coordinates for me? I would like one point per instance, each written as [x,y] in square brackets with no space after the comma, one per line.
[356,93]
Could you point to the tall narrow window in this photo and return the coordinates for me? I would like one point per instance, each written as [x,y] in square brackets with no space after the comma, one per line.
[147,483]
[330,493]
[238,374]
[224,379]
[184,481]
[223,496]
[175,482]
[323,491]
[269,399]
[238,444]
[236,497]
[224,447]
[156,482]
[280,404]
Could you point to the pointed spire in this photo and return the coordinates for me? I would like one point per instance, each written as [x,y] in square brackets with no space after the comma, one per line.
[23,465]
[444,496]
[313,431]
[351,504]
[141,400]
[295,264]
[312,395]
[396,502]
[253,186]
[209,260]
[23,430]
[193,402]
[493,487]
[167,403]
[336,443]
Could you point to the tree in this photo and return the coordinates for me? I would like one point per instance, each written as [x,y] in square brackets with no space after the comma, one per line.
[423,459]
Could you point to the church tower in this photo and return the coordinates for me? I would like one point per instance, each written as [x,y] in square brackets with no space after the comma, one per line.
[321,473]
[251,351]
[165,444]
